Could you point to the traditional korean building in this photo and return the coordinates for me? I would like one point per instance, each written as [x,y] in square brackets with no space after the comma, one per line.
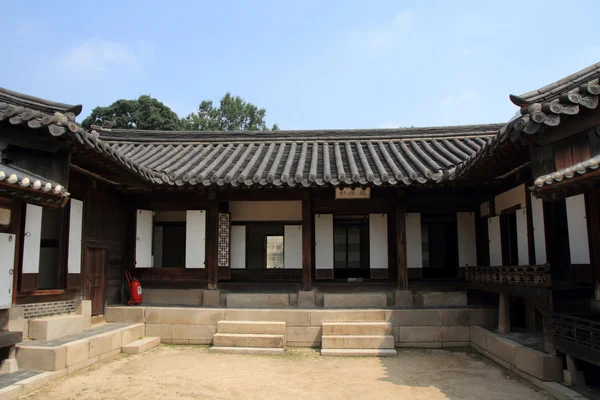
[501,218]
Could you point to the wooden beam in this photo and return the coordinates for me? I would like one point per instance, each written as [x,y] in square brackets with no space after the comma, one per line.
[593,200]
[307,241]
[212,239]
[401,262]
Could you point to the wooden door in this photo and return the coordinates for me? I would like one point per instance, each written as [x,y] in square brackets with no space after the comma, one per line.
[94,280]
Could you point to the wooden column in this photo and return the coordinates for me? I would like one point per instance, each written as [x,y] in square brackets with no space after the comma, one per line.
[307,241]
[212,240]
[594,236]
[401,263]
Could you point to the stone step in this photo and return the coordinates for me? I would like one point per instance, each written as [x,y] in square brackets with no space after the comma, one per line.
[359,352]
[354,300]
[48,328]
[265,327]
[271,351]
[141,345]
[248,340]
[357,328]
[275,300]
[440,299]
[357,342]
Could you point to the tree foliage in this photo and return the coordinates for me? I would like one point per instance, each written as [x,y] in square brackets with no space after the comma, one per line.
[144,113]
[233,114]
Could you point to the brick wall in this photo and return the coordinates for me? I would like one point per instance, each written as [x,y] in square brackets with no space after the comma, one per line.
[48,309]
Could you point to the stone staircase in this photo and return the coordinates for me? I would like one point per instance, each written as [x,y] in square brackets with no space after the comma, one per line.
[361,338]
[249,337]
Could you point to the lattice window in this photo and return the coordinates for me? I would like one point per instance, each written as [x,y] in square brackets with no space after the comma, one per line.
[224,239]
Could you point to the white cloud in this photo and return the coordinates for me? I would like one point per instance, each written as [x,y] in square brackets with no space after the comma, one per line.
[383,37]
[97,55]
[464,97]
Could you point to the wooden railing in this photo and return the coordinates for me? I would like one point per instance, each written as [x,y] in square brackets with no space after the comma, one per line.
[577,336]
[526,275]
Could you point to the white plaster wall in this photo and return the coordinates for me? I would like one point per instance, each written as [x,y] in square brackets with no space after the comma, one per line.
[378,241]
[414,245]
[195,239]
[578,232]
[265,210]
[32,239]
[143,239]
[522,237]
[539,233]
[467,246]
[510,198]
[292,247]
[324,241]
[495,241]
[75,233]
[7,250]
[238,247]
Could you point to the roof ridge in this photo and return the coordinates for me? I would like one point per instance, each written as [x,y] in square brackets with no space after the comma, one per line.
[37,103]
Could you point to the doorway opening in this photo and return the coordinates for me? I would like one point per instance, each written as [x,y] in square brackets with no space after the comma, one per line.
[439,239]
[351,246]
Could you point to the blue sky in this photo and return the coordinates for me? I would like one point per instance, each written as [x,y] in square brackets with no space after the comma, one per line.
[311,64]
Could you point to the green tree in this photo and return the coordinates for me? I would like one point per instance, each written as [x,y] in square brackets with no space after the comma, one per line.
[144,113]
[233,114]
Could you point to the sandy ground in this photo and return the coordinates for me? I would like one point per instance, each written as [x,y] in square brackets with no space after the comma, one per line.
[182,372]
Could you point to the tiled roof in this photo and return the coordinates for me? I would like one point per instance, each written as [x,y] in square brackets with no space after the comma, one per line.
[59,120]
[19,178]
[546,106]
[307,158]
[591,164]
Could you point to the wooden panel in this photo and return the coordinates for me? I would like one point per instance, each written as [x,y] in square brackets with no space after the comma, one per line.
[7,260]
[195,239]
[73,281]
[378,241]
[415,273]
[581,148]
[563,156]
[522,237]
[324,241]
[414,252]
[467,246]
[495,241]
[32,239]
[224,273]
[75,236]
[324,274]
[594,215]
[29,282]
[378,274]
[539,232]
[292,246]
[266,275]
[238,247]
[542,160]
[307,241]
[94,287]
[143,239]
[578,233]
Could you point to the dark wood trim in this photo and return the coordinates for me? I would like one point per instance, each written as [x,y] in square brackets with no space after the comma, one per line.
[29,283]
[224,273]
[586,119]
[401,260]
[212,243]
[323,274]
[262,275]
[307,242]
[45,298]
[530,237]
[415,273]
[546,191]
[17,222]
[73,281]
[265,223]
[593,201]
[340,207]
[46,292]
[379,274]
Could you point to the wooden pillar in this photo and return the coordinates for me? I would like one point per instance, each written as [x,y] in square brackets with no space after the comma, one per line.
[307,241]
[401,263]
[503,314]
[212,237]
[594,236]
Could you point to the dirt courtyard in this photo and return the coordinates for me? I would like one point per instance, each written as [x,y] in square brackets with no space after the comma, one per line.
[187,372]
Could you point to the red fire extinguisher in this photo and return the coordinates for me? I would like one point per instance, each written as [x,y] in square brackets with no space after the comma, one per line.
[135,289]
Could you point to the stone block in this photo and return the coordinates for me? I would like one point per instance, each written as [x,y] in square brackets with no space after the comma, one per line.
[357,328]
[9,365]
[141,345]
[422,334]
[183,316]
[540,365]
[317,317]
[251,300]
[357,342]
[81,365]
[479,336]
[201,342]
[110,354]
[573,378]
[164,331]
[84,308]
[173,297]
[11,392]
[16,321]
[484,317]
[403,298]
[502,348]
[306,299]
[247,350]
[105,342]
[290,317]
[446,345]
[359,352]
[35,382]
[48,328]
[304,336]
[456,334]
[180,341]
[77,351]
[420,345]
[248,340]
[440,299]
[414,317]
[41,358]
[211,298]
[198,332]
[124,314]
[132,333]
[355,300]
[251,327]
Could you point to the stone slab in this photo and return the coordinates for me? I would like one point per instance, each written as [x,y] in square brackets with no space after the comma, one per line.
[252,300]
[484,317]
[490,356]
[211,298]
[456,334]
[420,345]
[317,317]
[104,343]
[306,299]
[84,308]
[248,340]
[446,345]
[290,317]
[164,331]
[354,300]
[359,352]
[173,297]
[9,365]
[419,334]
[303,336]
[35,382]
[141,345]
[357,342]
[110,354]
[357,328]
[275,327]
[479,336]
[403,298]
[247,350]
[414,317]
[502,348]
[77,352]
[48,328]
[81,365]
[197,332]
[11,392]
[540,365]
[124,314]
[41,358]
[440,299]
[183,316]
[132,333]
